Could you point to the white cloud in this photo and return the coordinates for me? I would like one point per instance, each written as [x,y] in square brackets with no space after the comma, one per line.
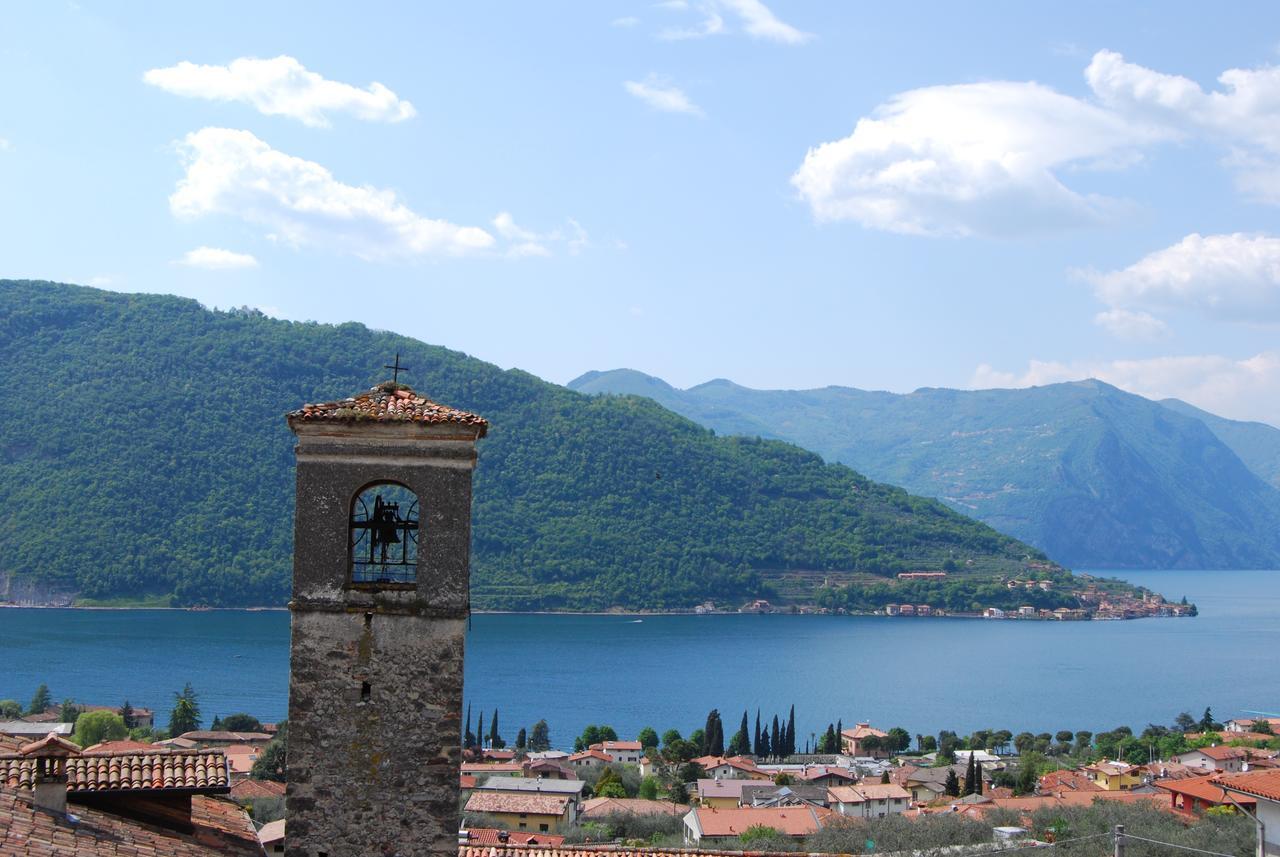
[970,159]
[754,18]
[217,259]
[526,242]
[5,145]
[1234,277]
[1247,389]
[234,173]
[1129,324]
[281,87]
[761,23]
[625,21]
[662,95]
[989,158]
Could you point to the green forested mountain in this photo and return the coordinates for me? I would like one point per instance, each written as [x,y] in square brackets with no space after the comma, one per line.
[143,451]
[1097,477]
[1257,444]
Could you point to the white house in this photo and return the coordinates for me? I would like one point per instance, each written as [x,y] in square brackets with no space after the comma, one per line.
[869,800]
[1217,758]
[1264,786]
[626,752]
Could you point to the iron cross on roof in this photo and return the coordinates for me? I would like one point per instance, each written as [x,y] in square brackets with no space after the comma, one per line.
[396,369]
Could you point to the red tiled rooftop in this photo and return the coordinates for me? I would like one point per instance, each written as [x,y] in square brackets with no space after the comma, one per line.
[1202,788]
[205,770]
[601,806]
[788,820]
[491,836]
[540,804]
[1264,784]
[249,789]
[221,828]
[386,403]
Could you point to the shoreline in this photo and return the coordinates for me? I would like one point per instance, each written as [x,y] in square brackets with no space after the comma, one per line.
[639,614]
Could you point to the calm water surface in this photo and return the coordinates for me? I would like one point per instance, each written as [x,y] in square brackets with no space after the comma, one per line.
[668,671]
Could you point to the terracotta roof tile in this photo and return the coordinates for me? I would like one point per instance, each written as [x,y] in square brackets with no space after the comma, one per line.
[386,403]
[1203,788]
[1265,784]
[248,789]
[204,770]
[491,836]
[788,820]
[541,804]
[221,828]
[601,806]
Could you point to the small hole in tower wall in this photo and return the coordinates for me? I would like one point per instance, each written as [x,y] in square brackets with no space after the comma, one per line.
[365,691]
[368,620]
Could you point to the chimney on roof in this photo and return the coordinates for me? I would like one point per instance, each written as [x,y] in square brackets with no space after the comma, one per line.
[50,781]
[503,836]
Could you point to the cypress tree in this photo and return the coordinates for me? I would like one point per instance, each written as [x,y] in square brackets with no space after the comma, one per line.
[952,786]
[775,744]
[468,737]
[839,736]
[968,776]
[791,732]
[520,739]
[495,740]
[758,743]
[480,730]
[977,780]
[764,749]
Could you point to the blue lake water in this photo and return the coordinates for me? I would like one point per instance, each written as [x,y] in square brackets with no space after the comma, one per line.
[669,671]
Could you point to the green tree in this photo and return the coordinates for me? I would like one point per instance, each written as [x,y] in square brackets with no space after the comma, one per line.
[540,737]
[952,785]
[126,714]
[270,764]
[609,785]
[1207,723]
[884,778]
[468,737]
[648,737]
[678,792]
[969,787]
[691,772]
[185,716]
[791,733]
[782,778]
[68,711]
[713,742]
[671,736]
[495,740]
[1184,722]
[758,832]
[41,701]
[1262,726]
[10,709]
[94,727]
[899,740]
[648,788]
[740,744]
[241,723]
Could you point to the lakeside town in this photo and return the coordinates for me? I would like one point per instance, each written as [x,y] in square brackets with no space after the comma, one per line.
[757,790]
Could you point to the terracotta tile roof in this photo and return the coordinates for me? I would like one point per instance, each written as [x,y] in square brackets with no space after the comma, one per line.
[152,770]
[387,404]
[728,788]
[864,730]
[221,737]
[466,781]
[591,754]
[1203,789]
[271,832]
[787,820]
[222,827]
[1265,784]
[1066,780]
[817,773]
[635,746]
[248,789]
[540,804]
[1220,753]
[491,836]
[600,806]
[118,746]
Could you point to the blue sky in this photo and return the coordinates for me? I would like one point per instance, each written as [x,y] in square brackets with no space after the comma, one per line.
[885,196]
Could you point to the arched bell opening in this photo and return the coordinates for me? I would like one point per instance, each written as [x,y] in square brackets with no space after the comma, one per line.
[383,537]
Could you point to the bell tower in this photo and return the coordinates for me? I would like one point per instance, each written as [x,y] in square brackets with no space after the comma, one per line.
[381,565]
